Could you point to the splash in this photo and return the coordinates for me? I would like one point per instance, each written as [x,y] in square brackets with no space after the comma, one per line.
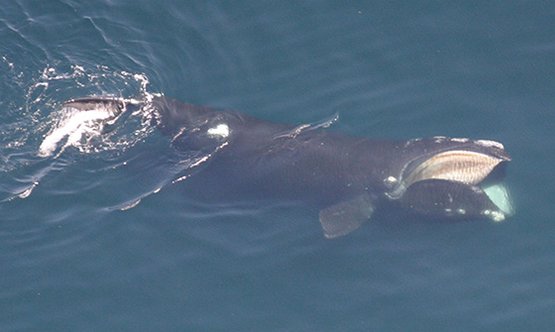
[86,130]
[36,130]
[75,128]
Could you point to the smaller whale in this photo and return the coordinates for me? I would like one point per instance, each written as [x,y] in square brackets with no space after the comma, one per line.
[346,177]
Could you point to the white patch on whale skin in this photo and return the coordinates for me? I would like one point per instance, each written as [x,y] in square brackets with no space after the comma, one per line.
[412,141]
[390,181]
[459,139]
[496,216]
[221,130]
[488,143]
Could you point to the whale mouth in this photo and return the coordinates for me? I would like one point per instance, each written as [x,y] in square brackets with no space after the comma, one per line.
[462,182]
[499,195]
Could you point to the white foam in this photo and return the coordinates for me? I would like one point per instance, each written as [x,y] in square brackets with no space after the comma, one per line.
[459,139]
[74,127]
[488,143]
[25,193]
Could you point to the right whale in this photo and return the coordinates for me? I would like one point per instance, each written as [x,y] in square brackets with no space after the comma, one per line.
[346,177]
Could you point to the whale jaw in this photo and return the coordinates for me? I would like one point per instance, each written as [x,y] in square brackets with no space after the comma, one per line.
[110,104]
[447,182]
[460,183]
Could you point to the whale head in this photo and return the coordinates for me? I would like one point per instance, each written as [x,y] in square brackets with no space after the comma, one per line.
[455,178]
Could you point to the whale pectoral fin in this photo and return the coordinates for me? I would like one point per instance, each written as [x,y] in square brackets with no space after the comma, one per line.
[344,217]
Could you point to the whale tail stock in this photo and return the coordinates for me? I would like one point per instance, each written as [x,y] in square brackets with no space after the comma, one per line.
[171,114]
[114,104]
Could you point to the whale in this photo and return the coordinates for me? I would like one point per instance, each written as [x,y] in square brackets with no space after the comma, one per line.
[346,177]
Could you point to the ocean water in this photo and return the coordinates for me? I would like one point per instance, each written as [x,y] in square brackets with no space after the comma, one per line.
[99,235]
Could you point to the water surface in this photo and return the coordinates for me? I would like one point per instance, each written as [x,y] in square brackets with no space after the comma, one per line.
[98,237]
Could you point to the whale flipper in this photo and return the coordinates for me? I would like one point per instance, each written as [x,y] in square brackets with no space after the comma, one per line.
[344,217]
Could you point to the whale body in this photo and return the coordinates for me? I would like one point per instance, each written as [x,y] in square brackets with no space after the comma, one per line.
[345,177]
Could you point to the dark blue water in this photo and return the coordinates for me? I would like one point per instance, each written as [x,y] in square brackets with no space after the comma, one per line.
[97,236]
